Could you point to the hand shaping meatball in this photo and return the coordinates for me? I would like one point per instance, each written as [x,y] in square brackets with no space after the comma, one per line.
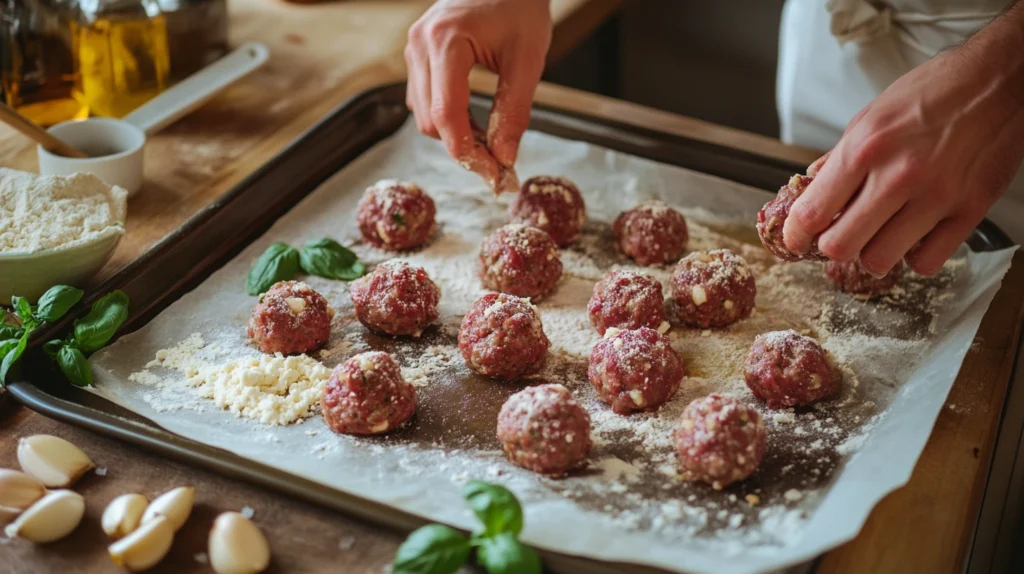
[627,300]
[773,216]
[787,369]
[850,278]
[552,204]
[521,261]
[544,429]
[290,318]
[367,395]
[651,233]
[712,289]
[396,215]
[396,299]
[635,370]
[502,337]
[720,441]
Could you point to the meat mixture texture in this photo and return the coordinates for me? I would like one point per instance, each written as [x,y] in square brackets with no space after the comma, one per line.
[712,289]
[520,260]
[635,370]
[396,215]
[290,318]
[851,278]
[652,233]
[553,204]
[787,369]
[396,299]
[720,441]
[502,337]
[772,217]
[626,299]
[367,395]
[544,429]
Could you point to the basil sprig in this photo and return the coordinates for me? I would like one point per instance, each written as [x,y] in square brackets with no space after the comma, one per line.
[282,262]
[90,332]
[437,549]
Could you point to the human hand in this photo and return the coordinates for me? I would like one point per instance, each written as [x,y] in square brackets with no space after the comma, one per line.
[919,167]
[509,37]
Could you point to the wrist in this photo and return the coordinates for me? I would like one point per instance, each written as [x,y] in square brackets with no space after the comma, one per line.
[997,51]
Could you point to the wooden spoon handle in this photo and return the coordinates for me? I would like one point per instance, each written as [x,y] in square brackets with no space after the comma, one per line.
[39,135]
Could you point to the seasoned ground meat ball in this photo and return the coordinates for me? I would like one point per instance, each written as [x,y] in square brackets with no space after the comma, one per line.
[502,337]
[850,278]
[635,370]
[290,318]
[396,215]
[627,300]
[520,260]
[544,429]
[773,216]
[787,369]
[712,289]
[720,441]
[396,299]
[553,204]
[367,395]
[651,233]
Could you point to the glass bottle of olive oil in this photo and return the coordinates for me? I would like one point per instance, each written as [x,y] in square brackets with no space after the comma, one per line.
[123,55]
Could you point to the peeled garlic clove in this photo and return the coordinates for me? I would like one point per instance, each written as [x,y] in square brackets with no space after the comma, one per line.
[54,461]
[18,490]
[237,546]
[53,517]
[8,514]
[175,505]
[145,547]
[123,515]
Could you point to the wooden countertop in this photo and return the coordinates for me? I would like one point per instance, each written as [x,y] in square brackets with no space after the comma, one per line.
[323,54]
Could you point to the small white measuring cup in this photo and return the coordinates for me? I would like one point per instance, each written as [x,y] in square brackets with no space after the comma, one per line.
[115,146]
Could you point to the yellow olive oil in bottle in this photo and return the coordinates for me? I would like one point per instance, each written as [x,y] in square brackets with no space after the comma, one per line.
[122,52]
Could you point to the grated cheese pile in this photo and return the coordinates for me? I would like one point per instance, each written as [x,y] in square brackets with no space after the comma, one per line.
[47,212]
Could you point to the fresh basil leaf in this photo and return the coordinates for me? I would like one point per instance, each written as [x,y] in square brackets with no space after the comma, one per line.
[11,355]
[10,332]
[280,262]
[94,330]
[433,549]
[57,301]
[496,507]
[52,348]
[22,308]
[504,554]
[75,366]
[328,258]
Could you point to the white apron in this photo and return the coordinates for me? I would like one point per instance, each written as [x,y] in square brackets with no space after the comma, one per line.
[835,56]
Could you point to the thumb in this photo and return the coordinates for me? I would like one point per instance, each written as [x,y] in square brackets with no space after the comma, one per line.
[510,115]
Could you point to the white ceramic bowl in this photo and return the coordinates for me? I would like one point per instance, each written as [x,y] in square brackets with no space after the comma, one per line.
[29,275]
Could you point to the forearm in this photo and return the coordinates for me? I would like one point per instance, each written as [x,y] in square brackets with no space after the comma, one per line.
[998,50]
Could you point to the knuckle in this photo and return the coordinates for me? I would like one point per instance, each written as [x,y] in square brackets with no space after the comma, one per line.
[808,215]
[836,248]
[871,148]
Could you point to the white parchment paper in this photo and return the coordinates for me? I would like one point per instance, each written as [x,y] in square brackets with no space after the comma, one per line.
[826,467]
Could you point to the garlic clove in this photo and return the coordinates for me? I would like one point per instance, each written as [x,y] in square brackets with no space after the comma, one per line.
[8,514]
[51,518]
[237,546]
[123,515]
[175,505]
[54,461]
[145,547]
[18,490]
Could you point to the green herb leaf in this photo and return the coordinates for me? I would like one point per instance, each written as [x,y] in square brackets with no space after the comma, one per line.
[495,506]
[22,308]
[57,301]
[94,330]
[10,332]
[51,348]
[328,258]
[75,366]
[11,354]
[433,549]
[280,262]
[397,218]
[504,554]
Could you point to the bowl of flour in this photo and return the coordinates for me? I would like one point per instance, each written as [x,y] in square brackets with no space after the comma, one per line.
[55,230]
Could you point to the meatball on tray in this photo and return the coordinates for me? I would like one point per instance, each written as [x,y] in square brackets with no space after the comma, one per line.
[186,381]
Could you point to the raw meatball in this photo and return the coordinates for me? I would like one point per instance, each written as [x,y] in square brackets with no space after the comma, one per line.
[396,299]
[502,337]
[367,395]
[544,429]
[635,370]
[396,215]
[520,260]
[712,289]
[720,441]
[290,318]
[850,278]
[773,216]
[651,233]
[787,369]
[553,204]
[627,300]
